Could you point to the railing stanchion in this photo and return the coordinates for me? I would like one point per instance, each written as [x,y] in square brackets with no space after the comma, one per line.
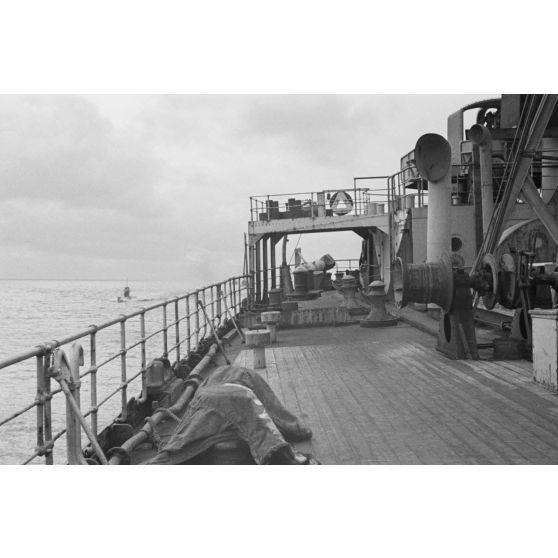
[213,296]
[197,319]
[93,394]
[204,314]
[220,291]
[124,393]
[188,326]
[143,352]
[177,330]
[165,332]
[40,402]
[49,455]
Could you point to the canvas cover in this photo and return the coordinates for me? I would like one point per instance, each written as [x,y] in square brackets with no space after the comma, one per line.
[232,403]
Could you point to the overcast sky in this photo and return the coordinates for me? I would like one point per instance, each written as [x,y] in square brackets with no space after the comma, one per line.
[157,187]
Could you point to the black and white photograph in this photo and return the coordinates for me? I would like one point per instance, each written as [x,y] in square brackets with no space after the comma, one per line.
[316,294]
[237,245]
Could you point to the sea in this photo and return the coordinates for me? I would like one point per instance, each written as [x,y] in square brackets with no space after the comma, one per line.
[33,312]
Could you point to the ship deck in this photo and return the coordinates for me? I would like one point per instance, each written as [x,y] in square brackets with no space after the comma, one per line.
[386,396]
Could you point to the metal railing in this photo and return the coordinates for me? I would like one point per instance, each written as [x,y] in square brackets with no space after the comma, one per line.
[173,328]
[327,203]
[409,189]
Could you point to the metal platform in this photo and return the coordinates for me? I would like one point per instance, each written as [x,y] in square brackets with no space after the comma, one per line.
[319,224]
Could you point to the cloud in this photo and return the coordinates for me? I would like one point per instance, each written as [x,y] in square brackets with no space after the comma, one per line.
[158,187]
[60,147]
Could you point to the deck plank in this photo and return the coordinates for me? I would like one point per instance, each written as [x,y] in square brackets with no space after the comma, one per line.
[344,413]
[316,395]
[482,409]
[389,397]
[504,407]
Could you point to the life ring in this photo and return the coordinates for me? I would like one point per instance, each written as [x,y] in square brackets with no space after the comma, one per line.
[341,203]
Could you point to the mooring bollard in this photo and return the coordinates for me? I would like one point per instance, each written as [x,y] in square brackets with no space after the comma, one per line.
[378,316]
[271,320]
[257,339]
[348,288]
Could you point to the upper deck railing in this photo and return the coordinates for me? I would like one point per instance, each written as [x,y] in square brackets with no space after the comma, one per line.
[326,203]
[173,328]
[383,194]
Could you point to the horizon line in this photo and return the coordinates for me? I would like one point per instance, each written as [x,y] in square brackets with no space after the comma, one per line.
[77,279]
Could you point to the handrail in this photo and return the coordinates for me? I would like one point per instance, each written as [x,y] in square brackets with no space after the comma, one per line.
[54,344]
[217,300]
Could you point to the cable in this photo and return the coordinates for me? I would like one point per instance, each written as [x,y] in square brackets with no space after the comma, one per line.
[292,255]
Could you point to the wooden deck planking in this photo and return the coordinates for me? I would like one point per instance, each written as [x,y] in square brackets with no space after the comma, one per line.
[502,411]
[484,414]
[344,415]
[385,450]
[418,435]
[317,395]
[419,429]
[461,430]
[386,396]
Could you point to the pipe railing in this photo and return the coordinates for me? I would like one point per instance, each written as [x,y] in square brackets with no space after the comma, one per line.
[309,204]
[159,325]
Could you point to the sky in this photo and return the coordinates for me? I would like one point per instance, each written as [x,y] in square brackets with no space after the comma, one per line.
[157,186]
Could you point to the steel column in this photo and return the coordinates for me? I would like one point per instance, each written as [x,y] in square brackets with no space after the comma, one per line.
[258,274]
[265,268]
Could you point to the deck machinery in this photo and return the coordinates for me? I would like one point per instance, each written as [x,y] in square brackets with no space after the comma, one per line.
[467,224]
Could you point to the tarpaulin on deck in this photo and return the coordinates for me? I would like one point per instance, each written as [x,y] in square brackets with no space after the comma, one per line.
[234,402]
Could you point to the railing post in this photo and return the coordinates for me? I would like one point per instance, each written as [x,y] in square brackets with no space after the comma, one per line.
[188,326]
[49,454]
[73,426]
[93,368]
[143,353]
[219,300]
[233,289]
[177,330]
[40,402]
[165,332]
[124,387]
[197,319]
[212,295]
[204,318]
[227,294]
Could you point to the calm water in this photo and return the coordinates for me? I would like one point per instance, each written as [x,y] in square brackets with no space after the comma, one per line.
[32,312]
